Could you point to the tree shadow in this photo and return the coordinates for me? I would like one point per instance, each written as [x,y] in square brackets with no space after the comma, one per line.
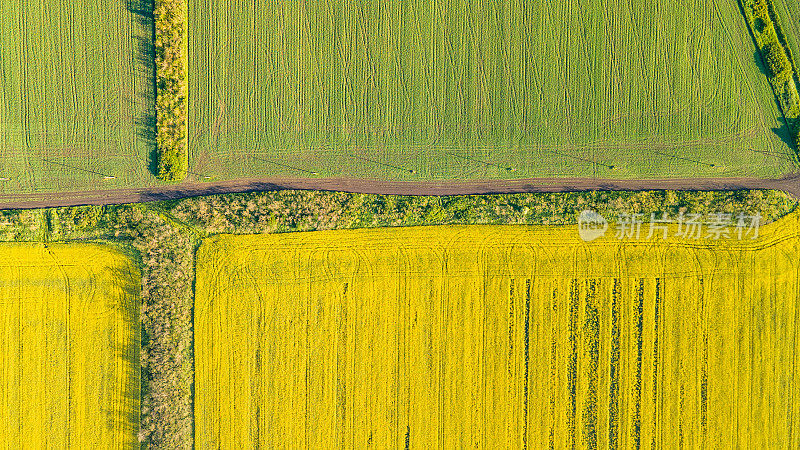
[183,192]
[144,43]
[125,411]
[759,60]
[784,132]
[142,9]
[759,24]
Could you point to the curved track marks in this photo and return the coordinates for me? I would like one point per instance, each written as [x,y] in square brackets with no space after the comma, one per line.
[790,184]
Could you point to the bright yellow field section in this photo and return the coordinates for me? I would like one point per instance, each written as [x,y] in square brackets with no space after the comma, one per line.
[497,337]
[69,370]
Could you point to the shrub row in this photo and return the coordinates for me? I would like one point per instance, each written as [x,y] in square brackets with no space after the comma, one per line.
[288,211]
[167,265]
[765,27]
[170,56]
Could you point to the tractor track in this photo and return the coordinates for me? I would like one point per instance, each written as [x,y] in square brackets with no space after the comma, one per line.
[789,184]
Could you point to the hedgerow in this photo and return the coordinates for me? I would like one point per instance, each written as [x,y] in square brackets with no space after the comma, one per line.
[171,105]
[776,59]
[288,211]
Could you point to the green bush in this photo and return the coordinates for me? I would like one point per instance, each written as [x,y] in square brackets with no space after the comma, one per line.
[767,34]
[761,10]
[172,164]
[776,60]
[171,105]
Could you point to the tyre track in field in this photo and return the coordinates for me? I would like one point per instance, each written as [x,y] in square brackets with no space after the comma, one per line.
[789,184]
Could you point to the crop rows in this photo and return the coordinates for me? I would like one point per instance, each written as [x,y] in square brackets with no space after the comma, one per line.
[69,347]
[478,336]
[74,96]
[469,89]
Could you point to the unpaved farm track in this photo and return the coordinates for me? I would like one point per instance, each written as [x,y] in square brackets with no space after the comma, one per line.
[790,184]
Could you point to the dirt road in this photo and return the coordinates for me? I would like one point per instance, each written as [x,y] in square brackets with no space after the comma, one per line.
[790,184]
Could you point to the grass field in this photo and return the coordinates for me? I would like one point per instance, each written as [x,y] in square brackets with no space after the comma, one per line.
[69,366]
[467,89]
[75,96]
[789,13]
[496,336]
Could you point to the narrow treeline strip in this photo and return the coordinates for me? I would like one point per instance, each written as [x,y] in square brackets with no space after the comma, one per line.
[171,106]
[764,25]
[167,252]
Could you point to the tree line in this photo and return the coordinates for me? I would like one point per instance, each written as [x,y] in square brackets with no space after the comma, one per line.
[765,27]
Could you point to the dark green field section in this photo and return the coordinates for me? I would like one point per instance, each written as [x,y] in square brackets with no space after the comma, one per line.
[75,96]
[436,89]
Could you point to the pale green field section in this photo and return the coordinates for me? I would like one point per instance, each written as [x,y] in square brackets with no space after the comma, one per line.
[497,337]
[74,93]
[69,347]
[467,89]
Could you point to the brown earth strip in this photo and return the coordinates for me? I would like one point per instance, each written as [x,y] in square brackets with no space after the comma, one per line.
[790,184]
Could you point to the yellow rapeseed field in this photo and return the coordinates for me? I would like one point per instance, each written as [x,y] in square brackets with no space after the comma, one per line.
[497,337]
[69,338]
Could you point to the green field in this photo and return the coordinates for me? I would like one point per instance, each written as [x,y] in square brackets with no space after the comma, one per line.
[466,89]
[789,13]
[73,96]
[399,90]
